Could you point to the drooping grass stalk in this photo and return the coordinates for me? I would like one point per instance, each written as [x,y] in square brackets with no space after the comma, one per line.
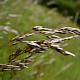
[33,47]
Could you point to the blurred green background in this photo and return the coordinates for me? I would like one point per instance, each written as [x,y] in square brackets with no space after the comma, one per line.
[23,15]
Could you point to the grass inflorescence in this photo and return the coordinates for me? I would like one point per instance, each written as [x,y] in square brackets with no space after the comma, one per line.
[38,46]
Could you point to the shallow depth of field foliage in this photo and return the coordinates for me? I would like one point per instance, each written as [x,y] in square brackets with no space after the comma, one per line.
[22,16]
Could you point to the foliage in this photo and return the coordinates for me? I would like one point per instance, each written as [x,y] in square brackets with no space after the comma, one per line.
[66,7]
[22,16]
[71,5]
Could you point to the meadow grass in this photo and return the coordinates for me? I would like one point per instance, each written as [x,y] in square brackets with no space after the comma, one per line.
[23,16]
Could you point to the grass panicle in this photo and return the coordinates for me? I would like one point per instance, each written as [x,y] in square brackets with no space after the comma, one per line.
[38,46]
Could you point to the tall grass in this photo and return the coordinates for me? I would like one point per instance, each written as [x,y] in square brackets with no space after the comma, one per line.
[22,16]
